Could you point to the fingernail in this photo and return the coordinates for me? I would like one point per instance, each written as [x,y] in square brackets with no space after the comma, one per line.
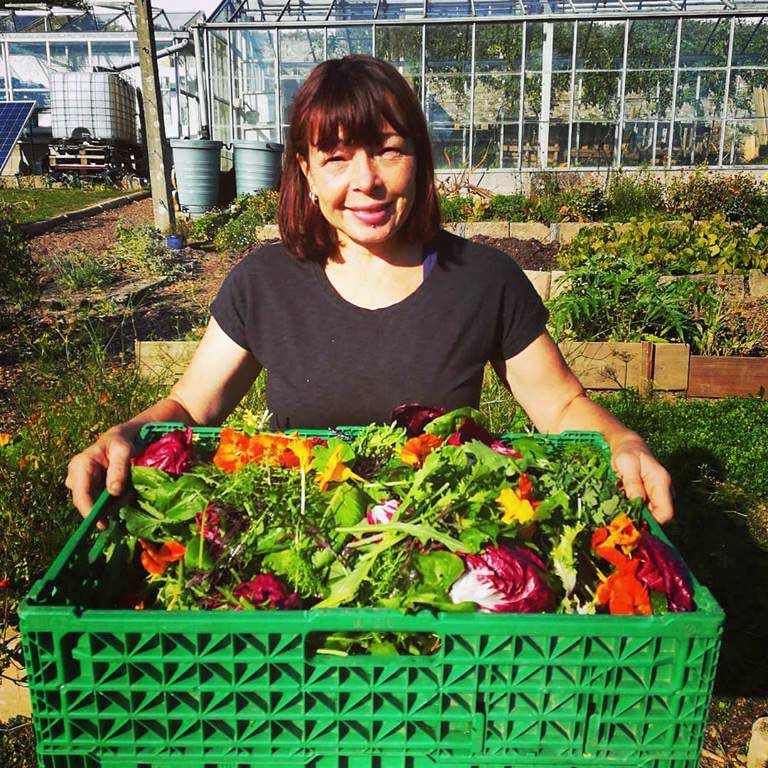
[114,488]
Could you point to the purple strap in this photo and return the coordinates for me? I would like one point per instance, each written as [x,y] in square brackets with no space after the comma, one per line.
[429,262]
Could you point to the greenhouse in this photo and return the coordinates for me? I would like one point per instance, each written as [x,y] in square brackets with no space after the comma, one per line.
[38,41]
[519,84]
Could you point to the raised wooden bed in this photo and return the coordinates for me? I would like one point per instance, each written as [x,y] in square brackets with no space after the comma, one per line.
[599,366]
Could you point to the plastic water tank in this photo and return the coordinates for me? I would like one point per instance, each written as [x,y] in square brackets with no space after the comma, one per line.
[198,165]
[257,165]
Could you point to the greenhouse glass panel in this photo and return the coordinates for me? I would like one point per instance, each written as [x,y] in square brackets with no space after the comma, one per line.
[600,45]
[401,47]
[560,98]
[498,47]
[448,9]
[644,143]
[532,96]
[343,41]
[220,93]
[534,43]
[300,51]
[562,46]
[704,42]
[69,57]
[496,7]
[189,114]
[353,9]
[303,10]
[746,142]
[648,94]
[651,43]
[593,144]
[530,145]
[28,64]
[696,142]
[449,48]
[557,150]
[166,73]
[110,53]
[700,94]
[405,9]
[497,113]
[450,146]
[748,94]
[597,95]
[750,42]
[255,88]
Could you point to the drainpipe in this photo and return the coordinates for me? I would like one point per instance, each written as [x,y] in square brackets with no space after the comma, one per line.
[202,101]
[175,48]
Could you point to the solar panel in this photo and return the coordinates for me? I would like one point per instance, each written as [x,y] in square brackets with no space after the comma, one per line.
[13,118]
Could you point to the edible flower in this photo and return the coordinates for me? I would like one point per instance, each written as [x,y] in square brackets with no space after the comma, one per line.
[518,505]
[663,570]
[5,582]
[622,533]
[416,450]
[297,453]
[382,513]
[234,450]
[335,471]
[267,591]
[469,430]
[5,439]
[415,417]
[504,579]
[172,453]
[155,559]
[623,593]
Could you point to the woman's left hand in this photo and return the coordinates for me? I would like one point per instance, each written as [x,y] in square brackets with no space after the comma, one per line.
[642,476]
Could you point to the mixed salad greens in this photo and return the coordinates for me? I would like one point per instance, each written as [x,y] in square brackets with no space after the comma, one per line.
[430,512]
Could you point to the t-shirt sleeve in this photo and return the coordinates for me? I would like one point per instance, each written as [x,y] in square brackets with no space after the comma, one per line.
[523,316]
[230,308]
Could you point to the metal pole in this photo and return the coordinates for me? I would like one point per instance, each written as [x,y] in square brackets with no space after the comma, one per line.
[727,92]
[675,79]
[154,128]
[8,81]
[202,102]
[521,113]
[231,70]
[278,88]
[622,95]
[472,100]
[573,91]
[546,92]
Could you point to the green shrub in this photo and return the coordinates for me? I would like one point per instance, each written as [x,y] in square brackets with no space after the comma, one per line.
[77,270]
[17,744]
[688,247]
[633,195]
[249,214]
[629,302]
[455,208]
[17,269]
[506,208]
[206,227]
[140,250]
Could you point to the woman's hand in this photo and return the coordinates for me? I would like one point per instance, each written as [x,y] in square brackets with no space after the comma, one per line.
[642,476]
[106,462]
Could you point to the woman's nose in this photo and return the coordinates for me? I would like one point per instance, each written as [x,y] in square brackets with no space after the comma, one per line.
[364,171]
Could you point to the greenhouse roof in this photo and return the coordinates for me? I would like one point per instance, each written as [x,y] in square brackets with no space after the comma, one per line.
[264,13]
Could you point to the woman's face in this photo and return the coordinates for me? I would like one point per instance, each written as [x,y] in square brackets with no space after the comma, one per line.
[364,193]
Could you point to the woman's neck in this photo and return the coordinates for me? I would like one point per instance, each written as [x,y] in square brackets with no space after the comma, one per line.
[393,254]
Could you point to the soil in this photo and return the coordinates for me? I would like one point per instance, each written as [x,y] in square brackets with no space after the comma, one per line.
[179,307]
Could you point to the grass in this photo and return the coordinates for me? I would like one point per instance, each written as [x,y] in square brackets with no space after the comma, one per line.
[37,204]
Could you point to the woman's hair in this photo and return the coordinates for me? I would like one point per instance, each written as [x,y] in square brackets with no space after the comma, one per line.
[355,96]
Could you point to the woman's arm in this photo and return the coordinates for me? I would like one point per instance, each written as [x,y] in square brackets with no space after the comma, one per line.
[552,396]
[218,376]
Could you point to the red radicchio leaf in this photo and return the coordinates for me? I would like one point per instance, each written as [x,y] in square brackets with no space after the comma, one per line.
[470,430]
[268,591]
[415,417]
[172,453]
[505,450]
[661,569]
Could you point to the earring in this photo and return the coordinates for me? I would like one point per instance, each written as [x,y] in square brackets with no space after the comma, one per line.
[313,197]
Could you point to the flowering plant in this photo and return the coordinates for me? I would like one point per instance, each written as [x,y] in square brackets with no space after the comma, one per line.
[429,512]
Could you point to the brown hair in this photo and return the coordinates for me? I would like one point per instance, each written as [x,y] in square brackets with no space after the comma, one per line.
[353,95]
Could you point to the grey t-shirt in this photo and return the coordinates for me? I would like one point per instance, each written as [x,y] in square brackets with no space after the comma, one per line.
[331,363]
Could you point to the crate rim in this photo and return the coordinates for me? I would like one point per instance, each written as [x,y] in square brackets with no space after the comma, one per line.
[30,612]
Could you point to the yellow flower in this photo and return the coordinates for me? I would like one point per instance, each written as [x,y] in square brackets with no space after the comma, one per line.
[516,509]
[5,439]
[335,471]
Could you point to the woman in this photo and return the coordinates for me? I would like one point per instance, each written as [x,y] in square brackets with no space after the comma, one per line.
[366,304]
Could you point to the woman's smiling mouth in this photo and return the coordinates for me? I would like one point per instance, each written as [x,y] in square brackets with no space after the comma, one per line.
[372,215]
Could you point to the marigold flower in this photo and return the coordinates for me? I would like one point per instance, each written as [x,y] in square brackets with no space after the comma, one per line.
[5,439]
[155,559]
[335,471]
[416,450]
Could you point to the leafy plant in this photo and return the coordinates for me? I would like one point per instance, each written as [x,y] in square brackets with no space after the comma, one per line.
[77,270]
[507,208]
[140,250]
[249,214]
[17,269]
[633,195]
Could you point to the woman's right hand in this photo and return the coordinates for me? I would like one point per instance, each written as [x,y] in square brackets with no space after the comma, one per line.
[106,462]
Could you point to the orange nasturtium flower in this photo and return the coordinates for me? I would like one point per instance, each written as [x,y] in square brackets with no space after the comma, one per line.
[622,533]
[5,439]
[518,504]
[155,559]
[297,453]
[416,450]
[233,452]
[336,471]
[624,594]
[5,583]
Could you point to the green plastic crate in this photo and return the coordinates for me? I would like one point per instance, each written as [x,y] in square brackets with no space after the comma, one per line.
[155,689]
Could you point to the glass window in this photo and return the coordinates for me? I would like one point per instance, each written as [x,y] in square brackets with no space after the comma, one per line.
[593,144]
[449,48]
[600,45]
[29,65]
[748,94]
[497,110]
[402,9]
[651,44]
[746,142]
[353,9]
[112,53]
[346,40]
[220,95]
[498,47]
[255,87]
[704,42]
[562,45]
[560,98]
[700,94]
[648,94]
[644,143]
[448,9]
[597,95]
[696,142]
[401,47]
[69,56]
[300,50]
[750,42]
